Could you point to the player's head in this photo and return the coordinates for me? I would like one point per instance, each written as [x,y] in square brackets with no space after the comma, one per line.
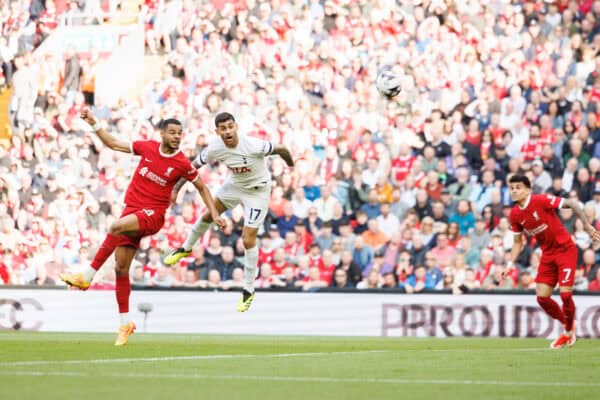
[520,187]
[170,133]
[227,129]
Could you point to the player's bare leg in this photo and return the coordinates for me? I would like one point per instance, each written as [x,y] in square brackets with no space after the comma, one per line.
[123,257]
[551,307]
[250,267]
[566,295]
[127,225]
[200,227]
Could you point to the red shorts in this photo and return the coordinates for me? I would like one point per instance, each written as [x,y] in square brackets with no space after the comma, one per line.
[150,221]
[558,267]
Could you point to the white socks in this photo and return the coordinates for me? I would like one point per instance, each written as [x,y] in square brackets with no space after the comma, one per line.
[124,318]
[250,268]
[199,228]
[88,273]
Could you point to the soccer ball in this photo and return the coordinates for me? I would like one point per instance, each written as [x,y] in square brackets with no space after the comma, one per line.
[388,82]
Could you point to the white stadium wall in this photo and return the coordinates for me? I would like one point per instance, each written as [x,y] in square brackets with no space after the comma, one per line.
[342,314]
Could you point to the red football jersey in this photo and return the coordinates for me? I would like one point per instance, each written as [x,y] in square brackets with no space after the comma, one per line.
[155,175]
[538,218]
[401,167]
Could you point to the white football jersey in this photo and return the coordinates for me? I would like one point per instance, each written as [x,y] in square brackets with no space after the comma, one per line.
[246,161]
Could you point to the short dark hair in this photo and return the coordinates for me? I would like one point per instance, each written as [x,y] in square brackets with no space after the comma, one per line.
[169,121]
[223,117]
[522,179]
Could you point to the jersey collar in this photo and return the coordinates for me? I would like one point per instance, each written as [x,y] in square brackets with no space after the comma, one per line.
[526,203]
[166,154]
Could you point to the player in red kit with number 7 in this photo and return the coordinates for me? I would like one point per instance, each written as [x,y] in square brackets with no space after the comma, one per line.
[535,215]
[146,201]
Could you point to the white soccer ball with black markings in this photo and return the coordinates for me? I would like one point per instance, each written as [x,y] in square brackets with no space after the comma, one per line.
[388,82]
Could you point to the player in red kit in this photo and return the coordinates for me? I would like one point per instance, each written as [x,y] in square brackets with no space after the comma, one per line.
[146,201]
[535,215]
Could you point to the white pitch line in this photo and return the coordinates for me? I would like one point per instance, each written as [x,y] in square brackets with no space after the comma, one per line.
[184,358]
[393,381]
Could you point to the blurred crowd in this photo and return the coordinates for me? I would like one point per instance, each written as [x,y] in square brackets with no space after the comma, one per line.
[408,194]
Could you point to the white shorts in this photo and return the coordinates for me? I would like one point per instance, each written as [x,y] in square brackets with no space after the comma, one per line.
[254,201]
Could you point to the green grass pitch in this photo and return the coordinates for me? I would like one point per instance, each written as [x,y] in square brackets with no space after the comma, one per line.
[174,367]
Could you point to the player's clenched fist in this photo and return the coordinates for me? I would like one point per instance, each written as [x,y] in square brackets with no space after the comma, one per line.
[594,234]
[220,222]
[88,116]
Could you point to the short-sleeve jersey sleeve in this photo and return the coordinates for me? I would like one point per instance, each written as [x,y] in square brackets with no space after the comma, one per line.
[205,157]
[550,202]
[191,173]
[515,225]
[259,146]
[138,147]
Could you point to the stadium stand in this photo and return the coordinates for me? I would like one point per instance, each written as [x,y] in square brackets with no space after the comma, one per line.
[408,194]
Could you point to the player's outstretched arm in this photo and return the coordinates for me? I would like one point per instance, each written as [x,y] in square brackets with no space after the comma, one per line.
[106,138]
[284,153]
[210,203]
[579,213]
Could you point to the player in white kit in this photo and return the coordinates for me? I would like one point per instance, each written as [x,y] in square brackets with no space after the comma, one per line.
[249,184]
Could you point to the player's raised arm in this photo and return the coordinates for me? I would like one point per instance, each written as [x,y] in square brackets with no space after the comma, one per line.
[208,200]
[106,138]
[579,213]
[284,153]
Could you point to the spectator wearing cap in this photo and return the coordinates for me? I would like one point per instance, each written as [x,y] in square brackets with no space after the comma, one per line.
[542,181]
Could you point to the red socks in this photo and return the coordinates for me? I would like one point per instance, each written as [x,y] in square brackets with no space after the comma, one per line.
[568,309]
[552,308]
[122,290]
[105,250]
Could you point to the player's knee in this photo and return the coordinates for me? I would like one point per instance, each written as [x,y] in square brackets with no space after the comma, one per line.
[115,228]
[249,241]
[121,269]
